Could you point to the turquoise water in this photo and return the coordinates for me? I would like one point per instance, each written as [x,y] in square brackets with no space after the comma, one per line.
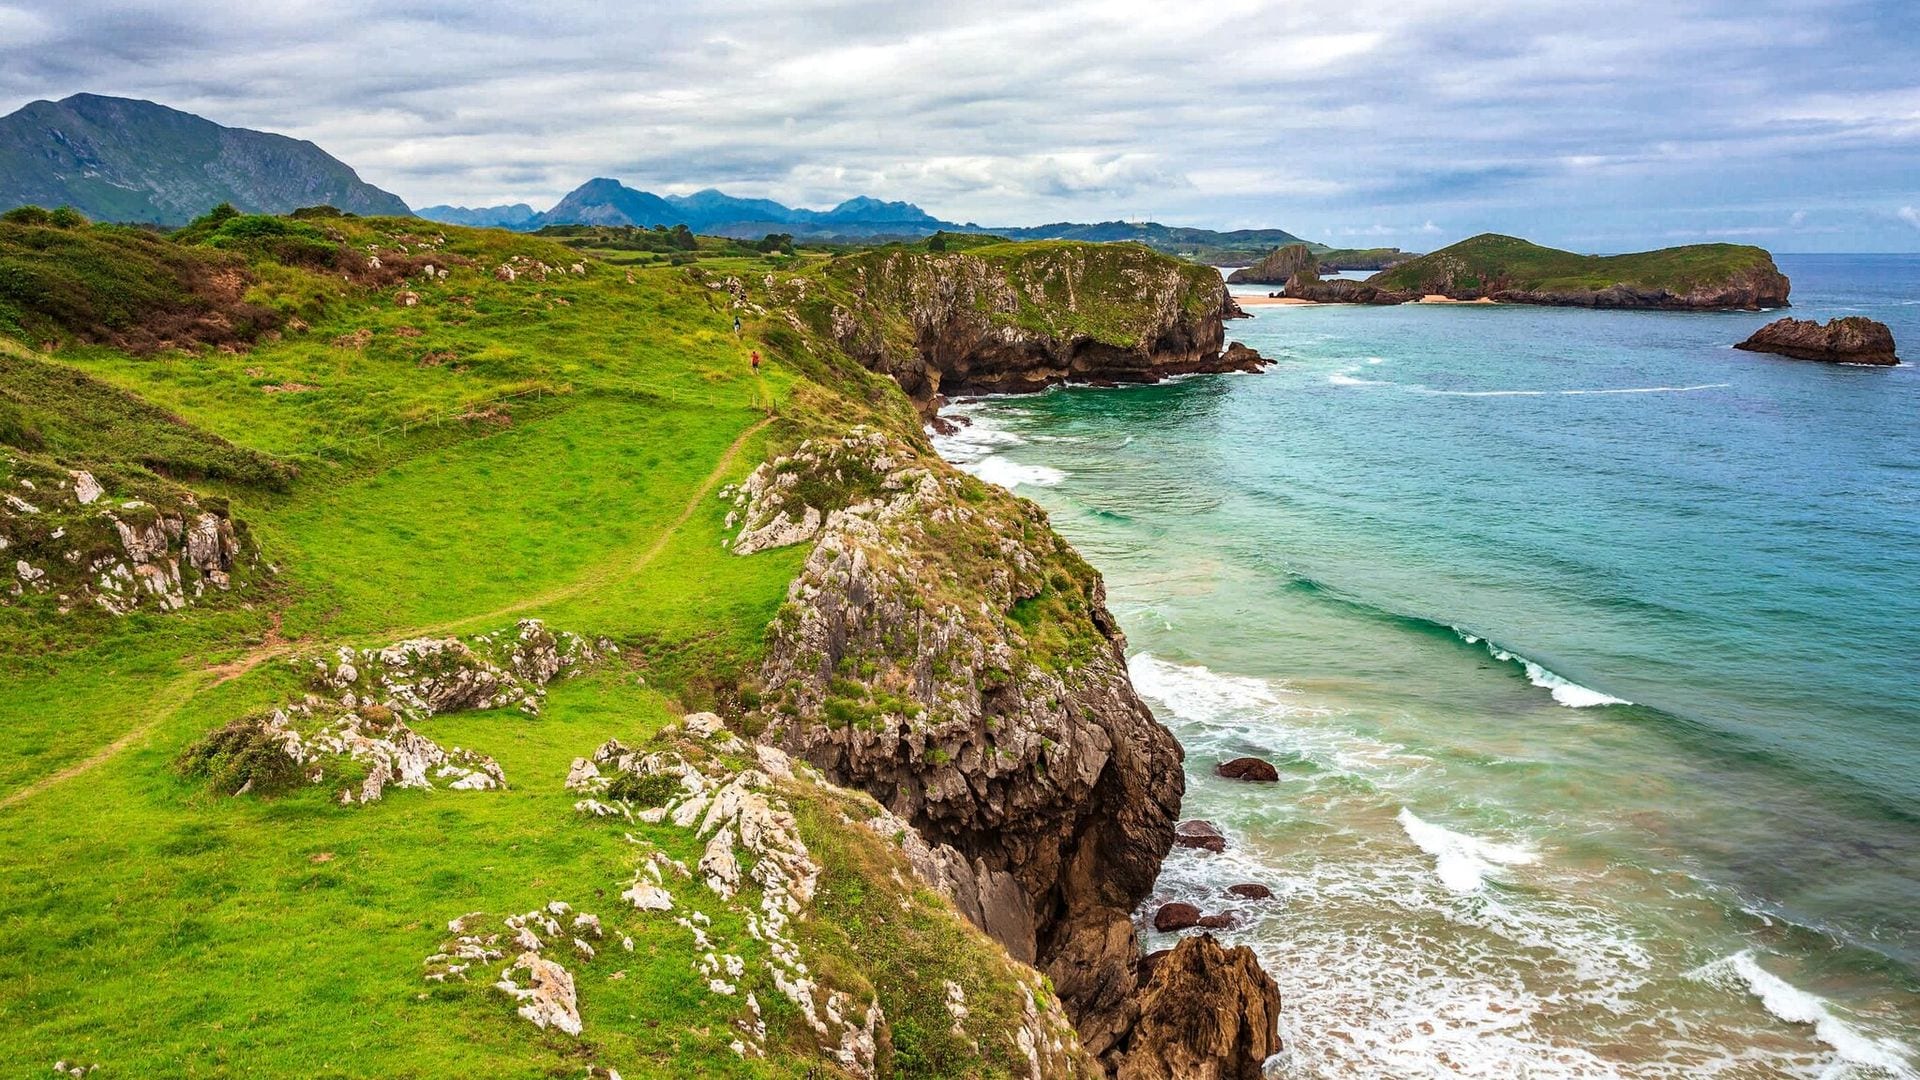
[1587,647]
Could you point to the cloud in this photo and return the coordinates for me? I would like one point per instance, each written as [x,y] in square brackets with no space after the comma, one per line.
[1551,121]
[1910,215]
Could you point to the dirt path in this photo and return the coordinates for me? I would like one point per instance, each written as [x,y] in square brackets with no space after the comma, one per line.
[169,700]
[175,695]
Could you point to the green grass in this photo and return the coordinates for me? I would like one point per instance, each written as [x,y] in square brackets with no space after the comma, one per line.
[1489,261]
[493,450]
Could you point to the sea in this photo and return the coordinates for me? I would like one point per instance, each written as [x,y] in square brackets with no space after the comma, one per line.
[1587,648]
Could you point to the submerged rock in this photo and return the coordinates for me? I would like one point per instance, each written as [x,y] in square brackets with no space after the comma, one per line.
[1851,340]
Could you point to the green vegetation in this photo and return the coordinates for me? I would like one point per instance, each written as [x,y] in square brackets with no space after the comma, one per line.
[431,430]
[1491,262]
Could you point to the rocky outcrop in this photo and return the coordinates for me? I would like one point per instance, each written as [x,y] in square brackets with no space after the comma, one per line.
[1308,286]
[1206,1013]
[945,651]
[1277,266]
[351,729]
[1851,340]
[71,539]
[947,324]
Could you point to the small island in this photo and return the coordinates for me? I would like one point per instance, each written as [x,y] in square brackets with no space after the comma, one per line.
[1506,269]
[1851,340]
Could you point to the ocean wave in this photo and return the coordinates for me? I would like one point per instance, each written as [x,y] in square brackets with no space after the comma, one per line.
[1342,378]
[1011,474]
[1463,862]
[1564,690]
[1856,1050]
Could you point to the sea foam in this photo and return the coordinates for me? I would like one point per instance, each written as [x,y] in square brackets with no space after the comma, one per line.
[1462,861]
[1856,1050]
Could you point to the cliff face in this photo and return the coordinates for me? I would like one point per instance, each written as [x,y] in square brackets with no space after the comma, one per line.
[1307,286]
[1022,317]
[945,651]
[1852,340]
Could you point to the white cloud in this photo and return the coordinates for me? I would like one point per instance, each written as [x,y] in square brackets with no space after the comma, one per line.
[1507,114]
[1910,215]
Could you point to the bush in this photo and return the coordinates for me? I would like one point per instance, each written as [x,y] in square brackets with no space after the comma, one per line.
[643,791]
[244,756]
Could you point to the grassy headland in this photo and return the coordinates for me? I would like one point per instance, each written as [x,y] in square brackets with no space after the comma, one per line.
[429,430]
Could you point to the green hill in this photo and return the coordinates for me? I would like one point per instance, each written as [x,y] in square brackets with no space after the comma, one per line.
[294,787]
[117,159]
[1508,268]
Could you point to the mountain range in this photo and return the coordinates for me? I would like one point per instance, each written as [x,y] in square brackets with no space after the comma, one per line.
[605,201]
[118,159]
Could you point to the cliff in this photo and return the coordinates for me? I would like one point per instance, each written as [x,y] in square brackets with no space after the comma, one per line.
[945,651]
[1280,264]
[1276,266]
[1306,285]
[1851,340]
[1016,318]
[1511,270]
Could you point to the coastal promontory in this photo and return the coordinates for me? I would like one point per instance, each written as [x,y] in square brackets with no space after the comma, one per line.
[1282,263]
[1507,269]
[1851,340]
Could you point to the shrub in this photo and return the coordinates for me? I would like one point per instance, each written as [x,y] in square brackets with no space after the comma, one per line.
[244,756]
[643,791]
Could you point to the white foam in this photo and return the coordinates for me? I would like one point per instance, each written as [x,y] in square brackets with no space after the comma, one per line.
[995,469]
[1463,862]
[1853,1047]
[1564,690]
[1341,378]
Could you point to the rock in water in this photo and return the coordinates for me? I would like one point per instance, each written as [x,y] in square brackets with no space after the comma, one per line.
[1248,768]
[1206,1012]
[1199,834]
[1175,916]
[1250,891]
[1852,340]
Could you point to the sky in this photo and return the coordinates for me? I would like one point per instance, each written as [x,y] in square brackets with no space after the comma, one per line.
[1600,126]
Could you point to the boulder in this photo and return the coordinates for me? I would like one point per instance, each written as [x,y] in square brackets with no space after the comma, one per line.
[1248,768]
[1175,916]
[1199,834]
[1223,921]
[1250,891]
[1206,1013]
[1852,340]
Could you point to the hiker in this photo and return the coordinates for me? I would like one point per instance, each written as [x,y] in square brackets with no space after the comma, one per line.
[736,326]
[756,361]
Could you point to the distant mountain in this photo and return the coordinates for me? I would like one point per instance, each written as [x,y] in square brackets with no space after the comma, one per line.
[481,217]
[715,213]
[118,159]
